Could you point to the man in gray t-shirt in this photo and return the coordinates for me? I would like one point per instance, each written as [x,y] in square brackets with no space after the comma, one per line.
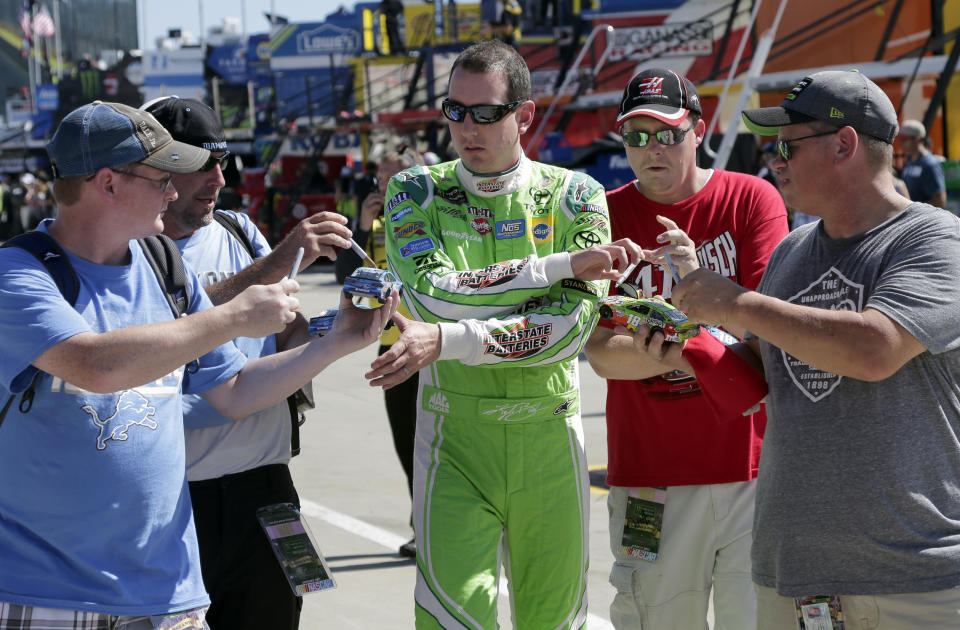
[857,320]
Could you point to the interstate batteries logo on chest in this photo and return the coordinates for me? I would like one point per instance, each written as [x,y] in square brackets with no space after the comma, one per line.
[519,341]
[834,292]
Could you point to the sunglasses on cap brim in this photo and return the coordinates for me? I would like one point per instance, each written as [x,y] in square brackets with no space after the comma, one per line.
[484,114]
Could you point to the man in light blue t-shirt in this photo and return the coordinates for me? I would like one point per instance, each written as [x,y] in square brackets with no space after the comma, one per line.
[234,468]
[96,528]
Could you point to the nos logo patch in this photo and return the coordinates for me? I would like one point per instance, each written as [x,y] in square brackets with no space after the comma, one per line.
[510,229]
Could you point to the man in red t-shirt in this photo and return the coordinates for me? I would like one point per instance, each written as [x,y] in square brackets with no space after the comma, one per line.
[683,455]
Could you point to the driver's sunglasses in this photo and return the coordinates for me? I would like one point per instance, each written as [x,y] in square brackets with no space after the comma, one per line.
[481,114]
[214,161]
[667,137]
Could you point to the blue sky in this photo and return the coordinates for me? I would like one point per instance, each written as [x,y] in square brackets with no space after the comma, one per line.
[165,14]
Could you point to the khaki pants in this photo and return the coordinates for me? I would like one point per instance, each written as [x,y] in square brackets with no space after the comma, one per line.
[705,544]
[937,610]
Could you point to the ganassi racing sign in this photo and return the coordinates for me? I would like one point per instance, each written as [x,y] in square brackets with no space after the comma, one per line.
[664,40]
[519,341]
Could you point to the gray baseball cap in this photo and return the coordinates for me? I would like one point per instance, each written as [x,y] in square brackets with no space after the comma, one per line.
[913,129]
[838,97]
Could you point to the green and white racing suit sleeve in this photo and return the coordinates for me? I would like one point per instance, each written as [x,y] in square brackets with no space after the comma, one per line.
[516,311]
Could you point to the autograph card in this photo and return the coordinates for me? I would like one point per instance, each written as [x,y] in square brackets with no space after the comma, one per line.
[295,548]
[643,523]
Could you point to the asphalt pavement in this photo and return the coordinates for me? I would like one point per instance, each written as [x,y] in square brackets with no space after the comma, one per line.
[355,497]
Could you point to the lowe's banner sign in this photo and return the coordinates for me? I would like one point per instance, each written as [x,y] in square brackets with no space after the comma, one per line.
[328,39]
[312,45]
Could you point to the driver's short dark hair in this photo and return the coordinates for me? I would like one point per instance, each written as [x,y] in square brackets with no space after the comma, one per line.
[492,55]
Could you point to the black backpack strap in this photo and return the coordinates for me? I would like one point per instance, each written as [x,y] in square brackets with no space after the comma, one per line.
[236,230]
[295,400]
[55,260]
[49,252]
[167,264]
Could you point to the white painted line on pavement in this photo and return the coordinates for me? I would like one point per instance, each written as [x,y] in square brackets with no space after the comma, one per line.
[391,541]
[353,525]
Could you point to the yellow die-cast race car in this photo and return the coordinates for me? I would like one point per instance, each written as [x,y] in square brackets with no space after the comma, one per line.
[653,312]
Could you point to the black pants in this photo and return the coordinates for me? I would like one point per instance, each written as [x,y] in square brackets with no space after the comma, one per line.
[401,402]
[393,37]
[247,588]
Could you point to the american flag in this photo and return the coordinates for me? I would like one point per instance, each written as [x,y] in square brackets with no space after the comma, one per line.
[25,23]
[43,24]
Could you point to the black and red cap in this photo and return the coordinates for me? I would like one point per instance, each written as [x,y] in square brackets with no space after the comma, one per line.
[660,93]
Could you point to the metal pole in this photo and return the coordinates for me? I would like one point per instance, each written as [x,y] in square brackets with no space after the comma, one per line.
[599,28]
[243,19]
[203,30]
[252,105]
[38,71]
[56,25]
[215,88]
[143,25]
[759,58]
[31,79]
[730,76]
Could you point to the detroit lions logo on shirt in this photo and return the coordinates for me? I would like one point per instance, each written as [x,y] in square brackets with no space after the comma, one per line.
[133,409]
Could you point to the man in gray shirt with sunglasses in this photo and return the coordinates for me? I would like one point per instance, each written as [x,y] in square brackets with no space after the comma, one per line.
[857,320]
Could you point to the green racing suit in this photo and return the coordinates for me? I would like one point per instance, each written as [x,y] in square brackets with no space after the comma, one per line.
[499,460]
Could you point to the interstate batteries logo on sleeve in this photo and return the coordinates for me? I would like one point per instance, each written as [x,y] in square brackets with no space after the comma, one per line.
[519,341]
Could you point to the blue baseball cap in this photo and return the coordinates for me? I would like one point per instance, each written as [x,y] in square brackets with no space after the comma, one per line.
[106,135]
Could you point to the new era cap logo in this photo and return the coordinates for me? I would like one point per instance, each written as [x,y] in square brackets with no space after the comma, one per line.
[836,113]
